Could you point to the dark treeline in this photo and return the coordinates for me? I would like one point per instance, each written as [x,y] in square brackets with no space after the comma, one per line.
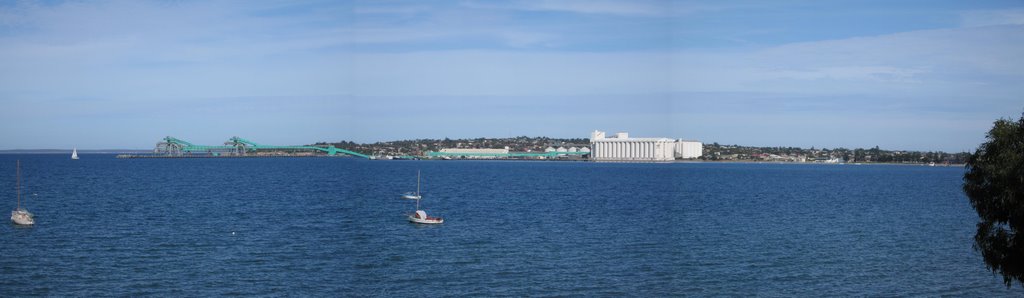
[715,151]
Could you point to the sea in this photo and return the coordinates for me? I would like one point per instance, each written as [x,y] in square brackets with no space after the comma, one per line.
[330,226]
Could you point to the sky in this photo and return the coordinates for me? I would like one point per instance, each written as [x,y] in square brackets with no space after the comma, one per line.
[902,75]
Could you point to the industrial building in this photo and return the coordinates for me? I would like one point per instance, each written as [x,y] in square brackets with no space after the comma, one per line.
[580,151]
[621,147]
[474,151]
[686,149]
[235,146]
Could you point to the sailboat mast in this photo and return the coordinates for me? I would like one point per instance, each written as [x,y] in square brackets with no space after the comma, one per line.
[18,171]
[418,197]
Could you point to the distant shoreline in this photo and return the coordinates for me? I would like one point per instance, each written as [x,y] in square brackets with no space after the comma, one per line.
[821,163]
[80,151]
[144,153]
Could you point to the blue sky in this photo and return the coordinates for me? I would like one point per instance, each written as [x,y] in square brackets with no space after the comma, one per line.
[914,75]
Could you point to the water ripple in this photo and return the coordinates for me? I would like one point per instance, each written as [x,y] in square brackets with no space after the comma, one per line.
[335,227]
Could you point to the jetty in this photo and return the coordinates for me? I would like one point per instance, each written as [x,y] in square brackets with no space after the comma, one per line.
[171,147]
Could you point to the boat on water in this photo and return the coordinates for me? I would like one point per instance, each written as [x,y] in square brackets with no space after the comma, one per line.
[420,216]
[74,153]
[20,215]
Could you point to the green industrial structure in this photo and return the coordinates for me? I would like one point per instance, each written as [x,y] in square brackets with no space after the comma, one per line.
[239,147]
[236,146]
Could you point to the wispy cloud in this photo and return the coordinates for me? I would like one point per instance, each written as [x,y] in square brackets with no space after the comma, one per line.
[124,60]
[598,7]
[978,18]
[922,62]
[641,8]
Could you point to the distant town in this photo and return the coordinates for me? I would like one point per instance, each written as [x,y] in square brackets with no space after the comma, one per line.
[420,147]
[710,152]
[599,147]
[719,152]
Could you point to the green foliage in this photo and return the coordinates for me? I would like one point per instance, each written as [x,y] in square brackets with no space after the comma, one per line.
[852,155]
[994,183]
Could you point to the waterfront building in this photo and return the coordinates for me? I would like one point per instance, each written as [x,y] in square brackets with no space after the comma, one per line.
[686,149]
[623,148]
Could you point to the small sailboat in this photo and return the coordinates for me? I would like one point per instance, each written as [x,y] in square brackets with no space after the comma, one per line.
[20,215]
[420,216]
[74,153]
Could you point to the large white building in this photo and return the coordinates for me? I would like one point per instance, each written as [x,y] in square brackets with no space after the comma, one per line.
[623,148]
[689,149]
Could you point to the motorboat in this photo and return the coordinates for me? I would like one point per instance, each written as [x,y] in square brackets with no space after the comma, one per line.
[421,217]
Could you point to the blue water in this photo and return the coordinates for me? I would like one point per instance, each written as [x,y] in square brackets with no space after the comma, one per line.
[336,226]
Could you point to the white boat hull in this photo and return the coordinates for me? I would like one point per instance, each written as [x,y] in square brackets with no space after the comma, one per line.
[22,217]
[428,220]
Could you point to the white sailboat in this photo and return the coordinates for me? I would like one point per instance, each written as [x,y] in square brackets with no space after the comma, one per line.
[420,216]
[20,215]
[74,153]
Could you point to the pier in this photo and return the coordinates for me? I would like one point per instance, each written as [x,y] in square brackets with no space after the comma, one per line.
[171,147]
[235,147]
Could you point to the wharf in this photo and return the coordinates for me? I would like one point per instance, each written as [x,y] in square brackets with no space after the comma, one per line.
[211,156]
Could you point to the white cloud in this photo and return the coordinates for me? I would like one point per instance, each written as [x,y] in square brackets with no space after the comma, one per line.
[979,18]
[219,50]
[197,50]
[599,7]
[861,73]
[509,73]
[608,7]
[918,62]
[133,57]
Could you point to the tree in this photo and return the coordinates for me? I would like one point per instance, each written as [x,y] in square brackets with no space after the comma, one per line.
[994,183]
